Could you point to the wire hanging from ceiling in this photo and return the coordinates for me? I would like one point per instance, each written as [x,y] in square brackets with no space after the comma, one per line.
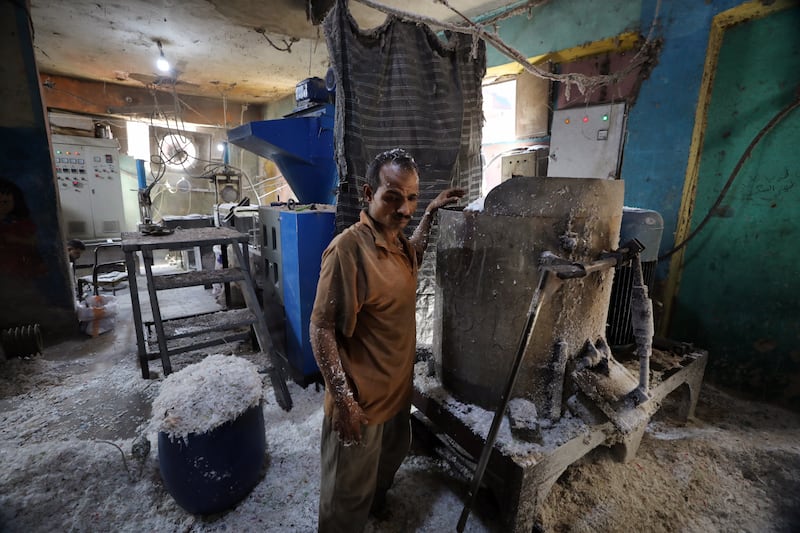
[287,45]
[583,82]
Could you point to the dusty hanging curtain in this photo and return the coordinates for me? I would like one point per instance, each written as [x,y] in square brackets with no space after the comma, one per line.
[401,86]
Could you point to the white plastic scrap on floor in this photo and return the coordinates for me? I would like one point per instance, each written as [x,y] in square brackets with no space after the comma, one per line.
[205,395]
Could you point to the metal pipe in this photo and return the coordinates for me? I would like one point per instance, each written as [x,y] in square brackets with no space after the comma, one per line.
[141,175]
[643,326]
[21,341]
[545,277]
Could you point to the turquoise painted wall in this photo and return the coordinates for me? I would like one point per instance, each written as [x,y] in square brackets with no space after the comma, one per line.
[661,122]
[565,24]
[740,288]
[749,326]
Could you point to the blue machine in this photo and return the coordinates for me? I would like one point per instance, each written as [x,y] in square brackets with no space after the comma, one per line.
[304,236]
[301,144]
[292,240]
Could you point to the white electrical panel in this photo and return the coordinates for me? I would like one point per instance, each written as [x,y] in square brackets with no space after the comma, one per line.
[586,142]
[532,163]
[90,187]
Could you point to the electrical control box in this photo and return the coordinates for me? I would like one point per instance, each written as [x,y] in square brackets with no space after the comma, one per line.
[586,142]
[90,187]
[529,163]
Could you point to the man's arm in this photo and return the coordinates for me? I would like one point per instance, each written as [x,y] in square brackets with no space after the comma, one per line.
[348,415]
[419,239]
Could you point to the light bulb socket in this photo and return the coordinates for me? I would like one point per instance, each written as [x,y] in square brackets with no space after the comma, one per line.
[162,63]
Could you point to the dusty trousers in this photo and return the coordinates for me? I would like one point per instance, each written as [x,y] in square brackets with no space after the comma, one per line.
[351,475]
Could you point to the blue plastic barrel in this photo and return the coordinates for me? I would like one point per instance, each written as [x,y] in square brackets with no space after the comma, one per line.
[213,471]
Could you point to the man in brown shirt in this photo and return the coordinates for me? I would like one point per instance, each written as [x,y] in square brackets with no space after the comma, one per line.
[363,333]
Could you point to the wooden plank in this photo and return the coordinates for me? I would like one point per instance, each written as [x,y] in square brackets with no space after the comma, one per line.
[219,321]
[182,238]
[101,98]
[197,277]
[201,345]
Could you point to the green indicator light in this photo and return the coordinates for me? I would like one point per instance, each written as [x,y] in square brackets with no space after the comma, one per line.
[605,117]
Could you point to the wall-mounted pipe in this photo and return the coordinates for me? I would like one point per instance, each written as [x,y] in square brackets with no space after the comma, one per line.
[141,175]
[22,341]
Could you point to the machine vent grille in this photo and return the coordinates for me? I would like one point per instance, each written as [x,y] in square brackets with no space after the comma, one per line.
[619,330]
[76,227]
[111,226]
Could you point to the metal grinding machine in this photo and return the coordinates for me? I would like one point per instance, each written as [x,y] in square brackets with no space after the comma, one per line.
[522,382]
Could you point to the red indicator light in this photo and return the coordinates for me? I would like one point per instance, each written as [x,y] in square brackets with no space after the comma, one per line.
[585,119]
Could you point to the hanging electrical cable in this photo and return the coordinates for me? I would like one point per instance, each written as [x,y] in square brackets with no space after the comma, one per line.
[745,156]
[644,55]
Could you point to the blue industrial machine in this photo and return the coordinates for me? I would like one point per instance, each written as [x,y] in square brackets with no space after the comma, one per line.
[304,236]
[289,239]
[300,144]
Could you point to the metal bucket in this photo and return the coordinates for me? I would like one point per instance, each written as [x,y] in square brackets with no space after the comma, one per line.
[486,272]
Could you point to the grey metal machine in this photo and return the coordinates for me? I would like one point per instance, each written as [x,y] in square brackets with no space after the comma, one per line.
[523,293]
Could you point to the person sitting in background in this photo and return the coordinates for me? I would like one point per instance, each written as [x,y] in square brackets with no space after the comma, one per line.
[75,248]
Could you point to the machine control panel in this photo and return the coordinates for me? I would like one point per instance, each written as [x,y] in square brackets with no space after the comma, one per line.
[89,184]
[78,170]
[586,142]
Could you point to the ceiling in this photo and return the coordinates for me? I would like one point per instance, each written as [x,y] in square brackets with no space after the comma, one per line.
[217,47]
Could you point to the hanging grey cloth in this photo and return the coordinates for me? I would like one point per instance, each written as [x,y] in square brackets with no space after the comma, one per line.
[401,86]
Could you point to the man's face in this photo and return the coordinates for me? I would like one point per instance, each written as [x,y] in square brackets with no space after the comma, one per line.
[395,201]
[6,205]
[74,253]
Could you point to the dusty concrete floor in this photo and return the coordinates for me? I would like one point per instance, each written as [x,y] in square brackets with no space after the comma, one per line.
[88,357]
[734,467]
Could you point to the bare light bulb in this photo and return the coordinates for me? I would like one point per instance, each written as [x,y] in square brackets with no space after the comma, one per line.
[162,64]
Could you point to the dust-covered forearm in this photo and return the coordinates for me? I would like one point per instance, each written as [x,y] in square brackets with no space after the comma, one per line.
[419,239]
[326,353]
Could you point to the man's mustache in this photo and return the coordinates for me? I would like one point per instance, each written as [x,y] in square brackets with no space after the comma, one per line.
[400,216]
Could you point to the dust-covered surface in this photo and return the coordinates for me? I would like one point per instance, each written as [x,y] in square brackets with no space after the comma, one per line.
[736,467]
[65,424]
[205,395]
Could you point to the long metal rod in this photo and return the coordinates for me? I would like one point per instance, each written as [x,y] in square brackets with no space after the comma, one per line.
[642,323]
[533,313]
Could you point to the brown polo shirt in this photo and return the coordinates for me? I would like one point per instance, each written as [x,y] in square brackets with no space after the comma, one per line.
[367,294]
